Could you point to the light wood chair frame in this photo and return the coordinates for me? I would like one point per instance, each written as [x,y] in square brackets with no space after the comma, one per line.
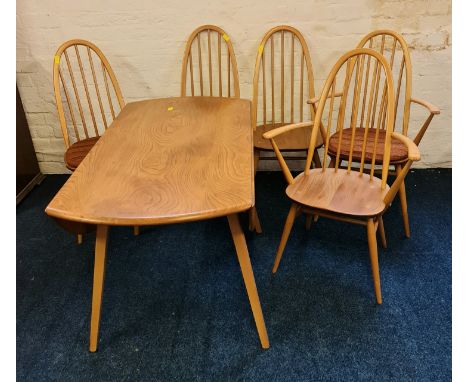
[58,78]
[306,64]
[406,69]
[187,61]
[373,222]
[60,82]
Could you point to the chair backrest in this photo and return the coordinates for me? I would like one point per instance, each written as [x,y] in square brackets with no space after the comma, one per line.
[206,78]
[283,79]
[394,48]
[366,80]
[85,81]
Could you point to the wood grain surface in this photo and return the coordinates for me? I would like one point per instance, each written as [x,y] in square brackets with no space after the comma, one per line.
[398,150]
[296,140]
[339,191]
[78,151]
[164,161]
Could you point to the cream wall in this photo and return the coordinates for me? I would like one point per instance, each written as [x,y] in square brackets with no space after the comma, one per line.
[144,41]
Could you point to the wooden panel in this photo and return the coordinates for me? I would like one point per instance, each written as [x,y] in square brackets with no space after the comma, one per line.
[164,161]
[27,167]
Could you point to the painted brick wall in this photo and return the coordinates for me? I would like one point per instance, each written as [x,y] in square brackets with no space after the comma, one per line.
[144,41]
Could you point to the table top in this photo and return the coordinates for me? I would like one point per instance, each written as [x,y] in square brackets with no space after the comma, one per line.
[164,161]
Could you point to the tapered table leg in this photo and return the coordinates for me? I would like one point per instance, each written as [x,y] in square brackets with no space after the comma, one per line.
[249,280]
[98,283]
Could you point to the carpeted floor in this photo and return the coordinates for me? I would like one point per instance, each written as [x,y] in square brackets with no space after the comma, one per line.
[175,307]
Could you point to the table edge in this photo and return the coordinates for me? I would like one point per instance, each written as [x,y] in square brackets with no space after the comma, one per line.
[160,220]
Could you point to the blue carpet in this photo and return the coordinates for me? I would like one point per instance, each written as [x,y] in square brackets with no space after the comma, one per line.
[175,307]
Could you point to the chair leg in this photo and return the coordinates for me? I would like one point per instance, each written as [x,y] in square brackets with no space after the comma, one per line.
[309,221]
[382,232]
[284,237]
[372,240]
[79,238]
[316,158]
[254,221]
[256,159]
[136,230]
[403,203]
[249,280]
[98,284]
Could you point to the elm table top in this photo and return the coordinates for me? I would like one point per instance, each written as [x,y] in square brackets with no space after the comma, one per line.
[164,161]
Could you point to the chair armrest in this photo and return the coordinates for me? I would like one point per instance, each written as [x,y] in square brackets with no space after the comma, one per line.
[316,99]
[284,129]
[281,130]
[413,151]
[432,109]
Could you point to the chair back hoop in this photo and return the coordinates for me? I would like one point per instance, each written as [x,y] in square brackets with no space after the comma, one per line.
[90,91]
[282,67]
[394,48]
[368,96]
[198,63]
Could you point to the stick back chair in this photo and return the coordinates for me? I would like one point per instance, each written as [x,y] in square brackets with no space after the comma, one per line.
[209,68]
[88,99]
[394,48]
[283,81]
[349,194]
[86,83]
[210,64]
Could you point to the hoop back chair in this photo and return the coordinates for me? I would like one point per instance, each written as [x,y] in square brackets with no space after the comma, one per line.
[349,194]
[210,64]
[88,99]
[86,83]
[207,45]
[394,48]
[283,81]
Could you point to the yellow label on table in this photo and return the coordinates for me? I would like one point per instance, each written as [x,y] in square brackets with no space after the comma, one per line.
[170,108]
[226,37]
[260,48]
[57,59]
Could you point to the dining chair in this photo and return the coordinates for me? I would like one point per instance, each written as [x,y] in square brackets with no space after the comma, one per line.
[395,49]
[359,84]
[88,99]
[209,66]
[283,82]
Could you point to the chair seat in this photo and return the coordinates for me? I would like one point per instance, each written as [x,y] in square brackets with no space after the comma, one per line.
[294,140]
[339,192]
[77,152]
[398,153]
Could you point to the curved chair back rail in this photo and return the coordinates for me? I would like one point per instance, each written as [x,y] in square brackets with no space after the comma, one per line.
[210,63]
[394,48]
[86,83]
[283,78]
[367,96]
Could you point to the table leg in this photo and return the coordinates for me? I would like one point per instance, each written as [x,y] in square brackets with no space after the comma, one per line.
[249,280]
[98,283]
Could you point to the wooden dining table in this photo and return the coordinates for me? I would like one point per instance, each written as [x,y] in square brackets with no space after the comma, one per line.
[164,161]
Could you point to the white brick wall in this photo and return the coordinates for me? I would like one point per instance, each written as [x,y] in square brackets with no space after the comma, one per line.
[144,41]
